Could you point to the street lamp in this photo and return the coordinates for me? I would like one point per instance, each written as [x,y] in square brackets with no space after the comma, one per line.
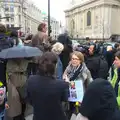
[103,22]
[49,31]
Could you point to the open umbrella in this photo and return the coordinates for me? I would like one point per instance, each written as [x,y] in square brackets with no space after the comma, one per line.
[20,52]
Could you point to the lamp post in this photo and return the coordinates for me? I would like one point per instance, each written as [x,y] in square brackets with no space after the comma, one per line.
[22,3]
[49,31]
[103,22]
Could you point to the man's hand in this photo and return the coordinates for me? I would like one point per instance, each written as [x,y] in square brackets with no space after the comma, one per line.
[7,106]
[65,77]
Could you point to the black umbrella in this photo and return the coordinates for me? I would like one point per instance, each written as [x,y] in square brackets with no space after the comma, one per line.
[20,52]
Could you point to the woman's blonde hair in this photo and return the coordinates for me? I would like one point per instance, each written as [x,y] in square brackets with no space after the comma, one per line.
[79,55]
[57,48]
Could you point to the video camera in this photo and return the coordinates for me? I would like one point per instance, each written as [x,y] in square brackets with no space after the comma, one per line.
[83,49]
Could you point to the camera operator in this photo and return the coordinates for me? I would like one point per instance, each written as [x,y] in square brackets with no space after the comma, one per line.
[96,63]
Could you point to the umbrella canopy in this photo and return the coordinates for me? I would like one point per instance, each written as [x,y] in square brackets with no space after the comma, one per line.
[20,52]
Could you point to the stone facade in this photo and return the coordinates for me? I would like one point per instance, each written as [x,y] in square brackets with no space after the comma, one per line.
[93,18]
[25,15]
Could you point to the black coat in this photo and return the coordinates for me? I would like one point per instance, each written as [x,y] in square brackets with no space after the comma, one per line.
[109,58]
[65,55]
[99,102]
[45,94]
[98,66]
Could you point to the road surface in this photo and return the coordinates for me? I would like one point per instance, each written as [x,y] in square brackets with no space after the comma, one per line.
[29,117]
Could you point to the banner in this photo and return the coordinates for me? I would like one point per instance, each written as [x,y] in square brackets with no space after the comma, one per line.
[76,91]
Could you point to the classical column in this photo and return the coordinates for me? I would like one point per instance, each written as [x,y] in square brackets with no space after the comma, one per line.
[17,22]
[2,13]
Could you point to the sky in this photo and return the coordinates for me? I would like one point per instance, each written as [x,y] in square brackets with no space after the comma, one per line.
[57,8]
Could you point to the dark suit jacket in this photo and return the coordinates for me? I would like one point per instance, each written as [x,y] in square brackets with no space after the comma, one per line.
[45,94]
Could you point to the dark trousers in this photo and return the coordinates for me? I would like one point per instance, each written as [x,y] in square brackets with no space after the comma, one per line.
[2,118]
[71,110]
[22,116]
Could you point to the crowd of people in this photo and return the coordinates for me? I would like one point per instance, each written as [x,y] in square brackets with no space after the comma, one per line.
[43,82]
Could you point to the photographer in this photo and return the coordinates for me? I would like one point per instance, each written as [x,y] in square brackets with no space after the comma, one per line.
[96,63]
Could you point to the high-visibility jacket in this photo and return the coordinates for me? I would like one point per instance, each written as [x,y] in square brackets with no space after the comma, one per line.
[113,82]
[1,84]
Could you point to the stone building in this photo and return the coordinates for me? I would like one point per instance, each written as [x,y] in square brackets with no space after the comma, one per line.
[93,18]
[20,13]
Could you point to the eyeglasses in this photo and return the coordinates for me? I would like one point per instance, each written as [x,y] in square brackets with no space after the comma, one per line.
[75,59]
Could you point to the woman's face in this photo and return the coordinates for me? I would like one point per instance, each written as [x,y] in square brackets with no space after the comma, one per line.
[75,61]
[117,62]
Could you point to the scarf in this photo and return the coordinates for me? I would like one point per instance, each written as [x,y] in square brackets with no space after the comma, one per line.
[73,72]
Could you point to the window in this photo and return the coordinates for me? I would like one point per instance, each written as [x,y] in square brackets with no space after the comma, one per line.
[12,25]
[11,8]
[73,24]
[7,25]
[19,17]
[96,19]
[6,8]
[7,17]
[81,24]
[12,17]
[19,9]
[10,0]
[0,18]
[88,18]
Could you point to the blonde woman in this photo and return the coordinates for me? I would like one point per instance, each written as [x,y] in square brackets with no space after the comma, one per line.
[77,70]
[57,48]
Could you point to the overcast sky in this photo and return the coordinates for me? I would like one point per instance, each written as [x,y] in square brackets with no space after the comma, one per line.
[57,7]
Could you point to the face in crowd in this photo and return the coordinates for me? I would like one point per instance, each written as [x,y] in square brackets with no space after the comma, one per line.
[117,60]
[77,58]
[91,49]
[75,61]
[42,27]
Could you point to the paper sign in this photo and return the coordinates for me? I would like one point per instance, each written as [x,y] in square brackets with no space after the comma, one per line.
[76,92]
